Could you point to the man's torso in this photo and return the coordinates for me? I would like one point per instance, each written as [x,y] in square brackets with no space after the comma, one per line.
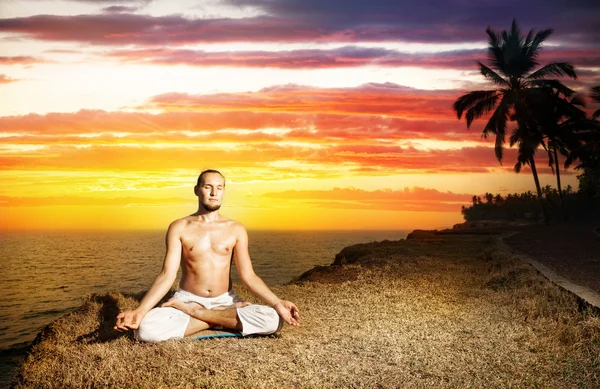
[206,256]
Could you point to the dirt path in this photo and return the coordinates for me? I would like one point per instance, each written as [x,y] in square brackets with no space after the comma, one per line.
[571,250]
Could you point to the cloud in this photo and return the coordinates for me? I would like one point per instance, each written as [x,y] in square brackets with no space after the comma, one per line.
[96,127]
[384,127]
[4,79]
[139,2]
[437,20]
[119,9]
[321,21]
[370,99]
[355,194]
[407,199]
[124,29]
[20,60]
[269,155]
[53,201]
[349,56]
[372,111]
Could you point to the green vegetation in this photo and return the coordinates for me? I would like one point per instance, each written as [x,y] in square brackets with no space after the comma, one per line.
[547,113]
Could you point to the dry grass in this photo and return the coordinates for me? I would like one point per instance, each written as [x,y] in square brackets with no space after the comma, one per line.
[458,312]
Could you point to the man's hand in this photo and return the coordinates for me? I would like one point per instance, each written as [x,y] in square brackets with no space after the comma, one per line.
[288,312]
[128,320]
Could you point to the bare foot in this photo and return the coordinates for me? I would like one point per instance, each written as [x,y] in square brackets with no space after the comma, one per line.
[186,308]
[239,304]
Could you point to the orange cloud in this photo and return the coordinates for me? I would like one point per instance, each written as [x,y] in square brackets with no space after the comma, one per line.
[407,199]
[4,79]
[258,155]
[7,201]
[19,60]
[375,126]
[217,125]
[370,99]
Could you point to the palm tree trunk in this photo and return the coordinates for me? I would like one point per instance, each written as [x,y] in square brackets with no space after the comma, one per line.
[560,192]
[539,189]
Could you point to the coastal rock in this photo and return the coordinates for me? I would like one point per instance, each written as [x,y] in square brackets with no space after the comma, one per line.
[338,271]
[329,274]
[351,254]
[421,234]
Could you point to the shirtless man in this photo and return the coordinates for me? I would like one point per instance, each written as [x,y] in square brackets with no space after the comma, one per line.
[203,244]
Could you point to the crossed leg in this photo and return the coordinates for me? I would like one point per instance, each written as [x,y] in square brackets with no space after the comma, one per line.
[202,318]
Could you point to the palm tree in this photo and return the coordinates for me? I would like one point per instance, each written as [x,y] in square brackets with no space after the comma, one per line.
[588,151]
[595,95]
[560,120]
[513,60]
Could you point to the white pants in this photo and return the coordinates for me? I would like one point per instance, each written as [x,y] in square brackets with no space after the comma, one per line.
[167,323]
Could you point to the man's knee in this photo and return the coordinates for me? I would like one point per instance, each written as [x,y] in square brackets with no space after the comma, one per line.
[147,333]
[161,324]
[259,320]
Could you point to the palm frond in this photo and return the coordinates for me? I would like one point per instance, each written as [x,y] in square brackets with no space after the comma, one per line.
[556,85]
[495,54]
[497,122]
[529,39]
[499,147]
[551,160]
[517,167]
[497,125]
[492,75]
[468,100]
[514,29]
[479,109]
[515,137]
[531,50]
[540,37]
[518,56]
[527,51]
[578,100]
[559,69]
[595,93]
[571,158]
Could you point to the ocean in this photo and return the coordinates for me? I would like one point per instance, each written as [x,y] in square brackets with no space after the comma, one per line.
[48,274]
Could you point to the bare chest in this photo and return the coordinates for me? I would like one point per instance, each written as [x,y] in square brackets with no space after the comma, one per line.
[201,244]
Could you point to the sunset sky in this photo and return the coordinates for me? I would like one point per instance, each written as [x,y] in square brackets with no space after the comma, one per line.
[321,114]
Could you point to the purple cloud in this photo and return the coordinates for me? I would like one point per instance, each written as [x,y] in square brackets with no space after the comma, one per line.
[313,20]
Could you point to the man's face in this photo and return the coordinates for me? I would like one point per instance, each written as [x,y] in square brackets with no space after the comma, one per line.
[210,192]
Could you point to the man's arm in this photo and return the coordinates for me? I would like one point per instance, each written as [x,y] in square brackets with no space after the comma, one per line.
[130,320]
[286,309]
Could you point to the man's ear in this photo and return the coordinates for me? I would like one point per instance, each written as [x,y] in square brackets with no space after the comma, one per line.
[196,190]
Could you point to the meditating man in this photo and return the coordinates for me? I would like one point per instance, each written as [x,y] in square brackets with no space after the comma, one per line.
[203,244]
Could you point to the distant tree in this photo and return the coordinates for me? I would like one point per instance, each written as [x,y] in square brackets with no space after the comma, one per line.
[489,198]
[498,199]
[568,190]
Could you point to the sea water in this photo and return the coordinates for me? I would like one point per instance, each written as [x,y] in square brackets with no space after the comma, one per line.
[48,274]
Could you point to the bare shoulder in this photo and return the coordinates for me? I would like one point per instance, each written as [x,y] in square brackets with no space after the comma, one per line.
[237,228]
[178,225]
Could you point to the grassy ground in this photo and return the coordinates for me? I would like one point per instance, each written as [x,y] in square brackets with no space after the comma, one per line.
[455,312]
